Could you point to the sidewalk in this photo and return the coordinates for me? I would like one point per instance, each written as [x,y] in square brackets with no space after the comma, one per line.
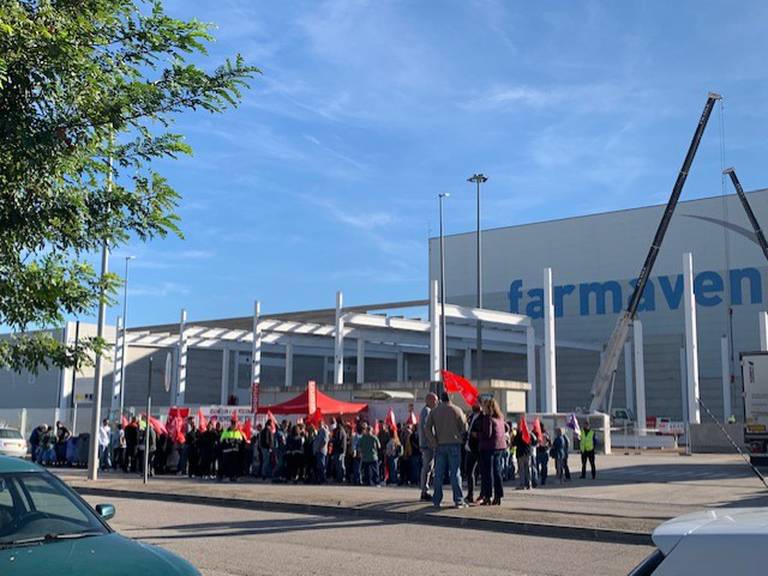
[632,495]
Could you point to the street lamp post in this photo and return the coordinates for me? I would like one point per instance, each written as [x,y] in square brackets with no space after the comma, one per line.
[93,447]
[125,331]
[479,179]
[443,335]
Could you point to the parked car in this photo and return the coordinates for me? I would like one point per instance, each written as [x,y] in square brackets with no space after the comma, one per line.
[45,527]
[708,543]
[12,443]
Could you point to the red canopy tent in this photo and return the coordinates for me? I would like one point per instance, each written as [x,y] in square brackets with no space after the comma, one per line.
[303,404]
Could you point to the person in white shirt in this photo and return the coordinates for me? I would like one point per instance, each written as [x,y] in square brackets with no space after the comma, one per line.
[105,449]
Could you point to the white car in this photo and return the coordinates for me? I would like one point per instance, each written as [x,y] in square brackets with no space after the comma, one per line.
[12,443]
[711,542]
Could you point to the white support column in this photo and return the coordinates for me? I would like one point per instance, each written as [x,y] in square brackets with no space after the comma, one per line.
[530,357]
[684,383]
[763,319]
[289,364]
[224,391]
[182,356]
[338,356]
[725,361]
[550,376]
[628,380]
[467,363]
[400,366]
[255,346]
[360,373]
[691,341]
[117,357]
[637,337]
[434,334]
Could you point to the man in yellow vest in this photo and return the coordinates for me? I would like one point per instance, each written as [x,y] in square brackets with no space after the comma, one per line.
[587,448]
[231,441]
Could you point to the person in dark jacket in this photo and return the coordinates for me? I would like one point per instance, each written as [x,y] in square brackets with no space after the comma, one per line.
[472,454]
[493,447]
[523,454]
[131,445]
[191,448]
[558,453]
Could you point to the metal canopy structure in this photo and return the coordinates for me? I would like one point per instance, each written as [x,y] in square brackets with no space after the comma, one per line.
[355,334]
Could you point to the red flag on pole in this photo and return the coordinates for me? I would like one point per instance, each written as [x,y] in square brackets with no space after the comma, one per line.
[271,418]
[455,383]
[376,428]
[202,424]
[248,430]
[412,420]
[522,428]
[156,424]
[390,420]
[123,421]
[537,427]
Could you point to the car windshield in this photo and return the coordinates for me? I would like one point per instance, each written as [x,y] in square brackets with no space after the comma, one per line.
[36,507]
[6,433]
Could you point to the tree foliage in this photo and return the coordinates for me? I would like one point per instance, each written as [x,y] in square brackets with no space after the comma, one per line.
[83,82]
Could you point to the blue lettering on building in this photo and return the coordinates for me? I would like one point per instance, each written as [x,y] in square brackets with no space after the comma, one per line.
[610,297]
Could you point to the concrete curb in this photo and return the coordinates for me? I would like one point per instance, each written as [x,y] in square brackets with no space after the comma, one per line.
[426,518]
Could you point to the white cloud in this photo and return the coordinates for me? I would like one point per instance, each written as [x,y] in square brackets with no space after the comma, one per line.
[160,290]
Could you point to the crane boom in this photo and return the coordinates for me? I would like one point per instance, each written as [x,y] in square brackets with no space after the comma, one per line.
[610,359]
[748,209]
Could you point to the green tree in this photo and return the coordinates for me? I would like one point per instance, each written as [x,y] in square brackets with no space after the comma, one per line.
[83,81]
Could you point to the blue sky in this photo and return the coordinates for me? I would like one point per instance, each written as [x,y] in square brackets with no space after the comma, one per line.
[327,175]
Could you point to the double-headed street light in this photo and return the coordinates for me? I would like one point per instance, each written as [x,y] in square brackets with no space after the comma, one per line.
[443,335]
[479,179]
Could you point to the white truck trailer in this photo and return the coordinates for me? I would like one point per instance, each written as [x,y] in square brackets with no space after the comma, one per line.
[754,379]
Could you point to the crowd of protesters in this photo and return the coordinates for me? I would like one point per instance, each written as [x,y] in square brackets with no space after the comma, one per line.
[441,443]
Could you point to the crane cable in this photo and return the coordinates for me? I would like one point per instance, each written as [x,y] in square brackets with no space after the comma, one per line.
[733,443]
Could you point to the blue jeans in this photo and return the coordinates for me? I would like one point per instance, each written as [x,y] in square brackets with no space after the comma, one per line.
[356,474]
[339,467]
[105,460]
[320,466]
[392,469]
[448,456]
[266,463]
[371,473]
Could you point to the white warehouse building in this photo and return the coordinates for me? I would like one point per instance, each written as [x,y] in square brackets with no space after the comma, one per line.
[594,260]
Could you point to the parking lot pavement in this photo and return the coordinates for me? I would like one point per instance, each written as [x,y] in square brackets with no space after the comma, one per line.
[631,496]
[232,542]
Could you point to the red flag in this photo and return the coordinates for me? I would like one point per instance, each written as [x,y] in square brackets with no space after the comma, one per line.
[158,426]
[455,383]
[537,427]
[123,421]
[376,428]
[271,418]
[522,428]
[412,420]
[248,430]
[390,420]
[202,424]
[316,417]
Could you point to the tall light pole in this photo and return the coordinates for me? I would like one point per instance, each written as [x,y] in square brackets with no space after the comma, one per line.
[93,446]
[125,331]
[443,335]
[479,179]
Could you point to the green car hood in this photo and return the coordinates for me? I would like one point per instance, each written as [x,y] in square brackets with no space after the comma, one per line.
[107,555]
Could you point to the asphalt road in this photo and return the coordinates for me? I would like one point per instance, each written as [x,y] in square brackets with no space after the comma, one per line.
[231,542]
